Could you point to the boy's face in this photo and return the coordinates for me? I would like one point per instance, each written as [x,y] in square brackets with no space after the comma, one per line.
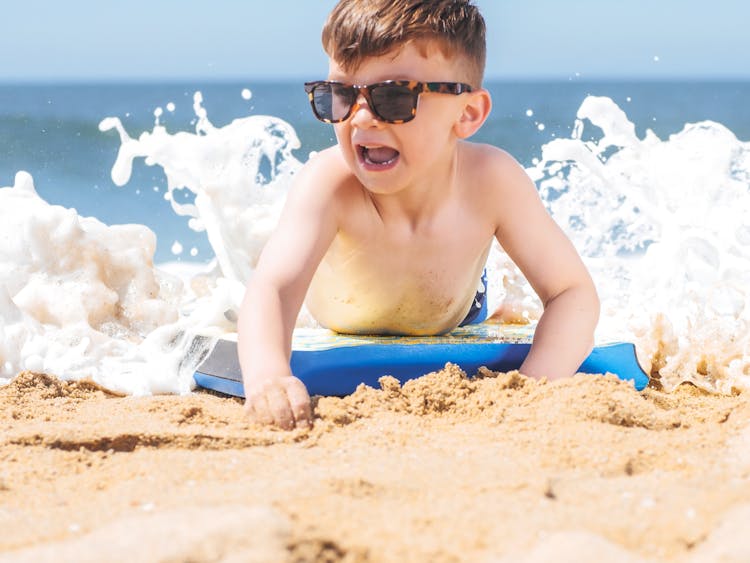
[387,157]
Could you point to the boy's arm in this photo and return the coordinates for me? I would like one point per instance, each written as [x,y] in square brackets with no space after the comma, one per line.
[274,296]
[565,333]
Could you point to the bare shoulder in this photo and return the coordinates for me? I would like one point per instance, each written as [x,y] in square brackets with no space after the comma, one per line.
[325,173]
[328,162]
[312,213]
[498,184]
[487,165]
[325,185]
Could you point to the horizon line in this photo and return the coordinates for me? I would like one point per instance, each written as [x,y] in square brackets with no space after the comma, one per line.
[142,80]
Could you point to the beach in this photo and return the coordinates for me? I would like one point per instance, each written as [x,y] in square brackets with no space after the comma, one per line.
[496,467]
[145,158]
[118,461]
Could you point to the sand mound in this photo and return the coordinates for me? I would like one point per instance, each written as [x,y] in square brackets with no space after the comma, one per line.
[504,397]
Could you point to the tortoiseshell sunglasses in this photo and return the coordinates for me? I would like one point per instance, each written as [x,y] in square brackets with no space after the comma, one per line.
[393,101]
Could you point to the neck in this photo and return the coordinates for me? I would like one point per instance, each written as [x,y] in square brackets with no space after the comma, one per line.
[418,202]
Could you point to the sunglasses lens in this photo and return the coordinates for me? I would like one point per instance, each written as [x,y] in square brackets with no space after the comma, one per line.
[394,102]
[321,98]
[333,101]
[343,98]
[391,102]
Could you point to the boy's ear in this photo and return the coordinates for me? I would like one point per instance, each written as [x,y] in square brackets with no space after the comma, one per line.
[474,114]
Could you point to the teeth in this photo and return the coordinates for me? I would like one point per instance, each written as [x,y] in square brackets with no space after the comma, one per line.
[379,152]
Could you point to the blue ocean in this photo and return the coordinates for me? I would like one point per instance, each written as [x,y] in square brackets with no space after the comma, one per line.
[51,131]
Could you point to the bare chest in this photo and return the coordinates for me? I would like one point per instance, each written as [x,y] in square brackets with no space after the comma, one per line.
[397,284]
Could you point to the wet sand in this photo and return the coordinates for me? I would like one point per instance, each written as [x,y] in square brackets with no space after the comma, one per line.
[445,468]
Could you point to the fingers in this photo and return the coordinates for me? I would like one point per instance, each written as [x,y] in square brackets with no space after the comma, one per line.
[279,406]
[257,409]
[284,404]
[270,407]
[299,400]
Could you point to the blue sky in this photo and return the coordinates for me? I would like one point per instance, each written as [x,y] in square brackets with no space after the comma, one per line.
[75,40]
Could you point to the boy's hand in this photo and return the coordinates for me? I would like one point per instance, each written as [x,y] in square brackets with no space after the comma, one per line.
[280,401]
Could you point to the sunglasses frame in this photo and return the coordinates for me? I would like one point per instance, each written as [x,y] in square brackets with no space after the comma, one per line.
[416,88]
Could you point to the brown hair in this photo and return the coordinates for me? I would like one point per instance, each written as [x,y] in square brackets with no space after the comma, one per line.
[357,29]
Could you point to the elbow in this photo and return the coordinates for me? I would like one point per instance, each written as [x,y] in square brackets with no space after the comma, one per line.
[596,304]
[589,304]
[594,309]
[580,301]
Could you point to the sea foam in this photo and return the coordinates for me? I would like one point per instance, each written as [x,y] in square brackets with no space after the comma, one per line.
[82,300]
[665,228]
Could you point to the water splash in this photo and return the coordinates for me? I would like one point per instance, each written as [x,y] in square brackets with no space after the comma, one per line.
[238,174]
[665,228]
[82,300]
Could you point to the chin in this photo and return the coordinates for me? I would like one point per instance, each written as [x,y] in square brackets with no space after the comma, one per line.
[381,188]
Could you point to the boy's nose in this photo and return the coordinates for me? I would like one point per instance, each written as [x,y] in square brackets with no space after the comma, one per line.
[361,113]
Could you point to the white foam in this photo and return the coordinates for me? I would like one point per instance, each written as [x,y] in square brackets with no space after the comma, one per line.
[239,174]
[82,300]
[665,227]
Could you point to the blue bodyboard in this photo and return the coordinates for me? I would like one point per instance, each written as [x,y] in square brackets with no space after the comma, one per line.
[335,364]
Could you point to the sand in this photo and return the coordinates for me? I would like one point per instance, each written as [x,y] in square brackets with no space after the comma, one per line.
[446,468]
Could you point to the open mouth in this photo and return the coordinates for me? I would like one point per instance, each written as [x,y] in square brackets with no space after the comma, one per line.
[378,156]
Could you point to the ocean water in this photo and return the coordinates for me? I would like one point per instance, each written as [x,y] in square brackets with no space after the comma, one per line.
[650,180]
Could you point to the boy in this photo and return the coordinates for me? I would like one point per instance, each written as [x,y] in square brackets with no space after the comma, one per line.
[387,232]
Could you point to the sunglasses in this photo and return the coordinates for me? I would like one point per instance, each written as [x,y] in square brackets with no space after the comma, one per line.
[393,101]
